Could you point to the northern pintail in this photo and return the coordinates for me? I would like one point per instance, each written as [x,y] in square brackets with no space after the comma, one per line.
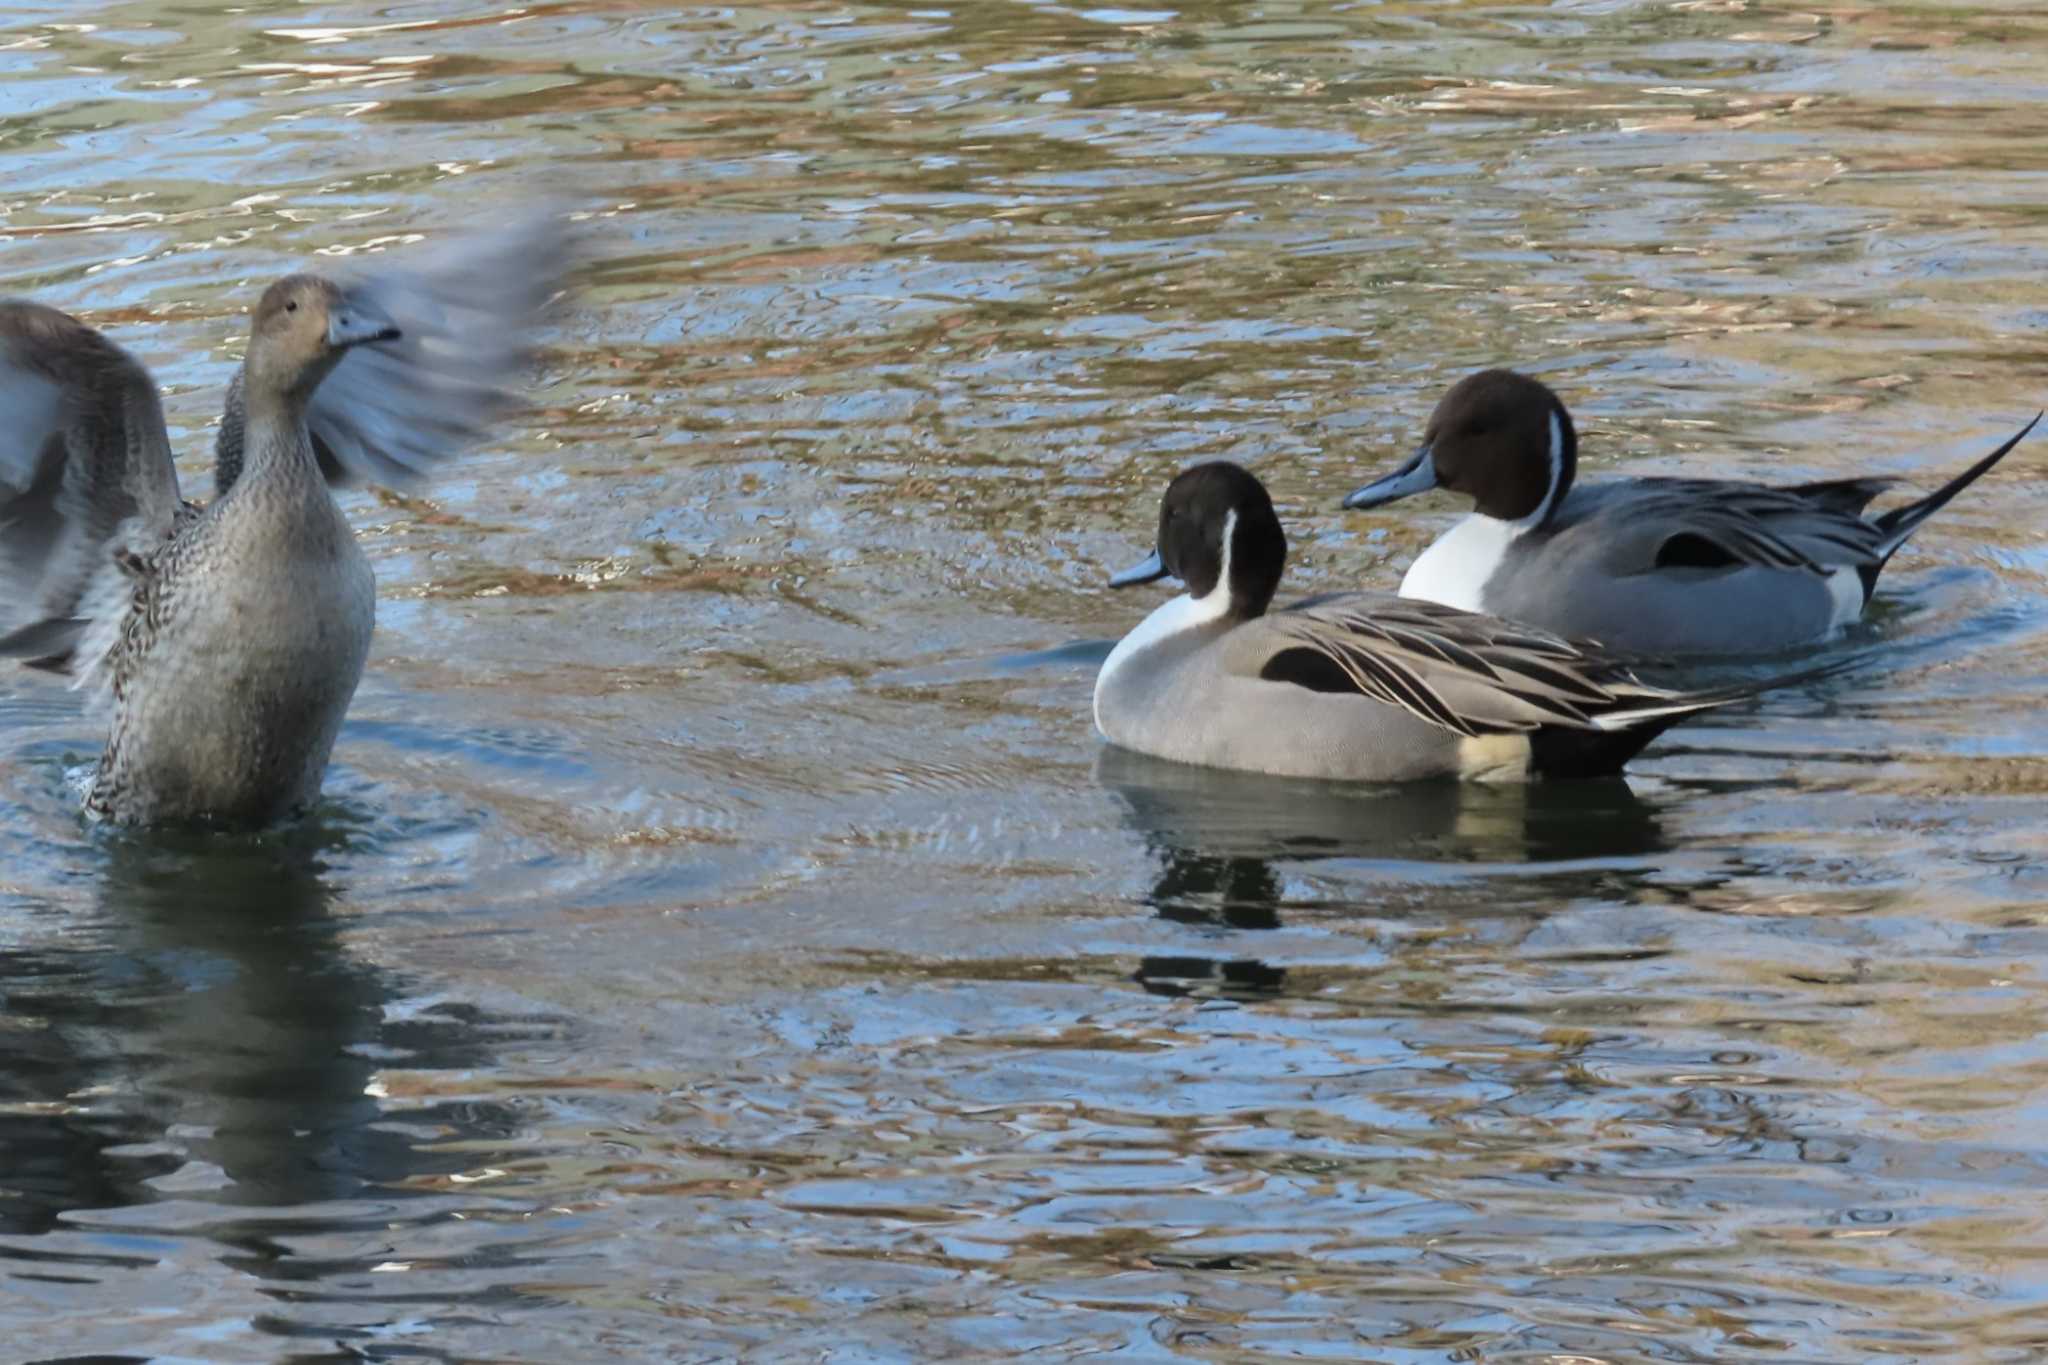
[1354,686]
[227,640]
[1646,565]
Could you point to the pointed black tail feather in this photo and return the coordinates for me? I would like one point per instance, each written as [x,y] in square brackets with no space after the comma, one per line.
[1621,733]
[1900,523]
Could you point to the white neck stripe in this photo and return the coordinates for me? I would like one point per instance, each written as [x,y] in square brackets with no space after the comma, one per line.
[1229,537]
[1543,509]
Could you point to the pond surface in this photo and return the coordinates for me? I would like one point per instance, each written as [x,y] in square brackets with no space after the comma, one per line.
[725,935]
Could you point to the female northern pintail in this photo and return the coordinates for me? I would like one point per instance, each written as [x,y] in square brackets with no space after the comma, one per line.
[1358,686]
[228,640]
[1648,565]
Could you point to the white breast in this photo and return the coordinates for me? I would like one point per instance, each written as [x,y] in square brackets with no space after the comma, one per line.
[1183,613]
[1455,570]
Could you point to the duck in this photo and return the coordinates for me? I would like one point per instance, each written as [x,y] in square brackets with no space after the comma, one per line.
[1651,566]
[224,641]
[1353,686]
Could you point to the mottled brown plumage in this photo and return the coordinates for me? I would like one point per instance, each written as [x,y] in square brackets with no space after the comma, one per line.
[227,641]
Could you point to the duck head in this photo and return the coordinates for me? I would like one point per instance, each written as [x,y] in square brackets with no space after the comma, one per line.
[1500,438]
[1217,530]
[302,327]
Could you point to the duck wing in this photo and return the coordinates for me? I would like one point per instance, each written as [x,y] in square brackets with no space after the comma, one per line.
[467,309]
[1653,524]
[85,472]
[1465,672]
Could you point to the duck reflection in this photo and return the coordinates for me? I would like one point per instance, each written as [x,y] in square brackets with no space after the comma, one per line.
[1223,839]
[208,1035]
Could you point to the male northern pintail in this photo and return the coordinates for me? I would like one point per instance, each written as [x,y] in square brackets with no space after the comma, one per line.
[1358,686]
[227,640]
[1647,565]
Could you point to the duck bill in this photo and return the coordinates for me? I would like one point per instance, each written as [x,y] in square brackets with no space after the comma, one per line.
[357,319]
[1418,475]
[1151,571]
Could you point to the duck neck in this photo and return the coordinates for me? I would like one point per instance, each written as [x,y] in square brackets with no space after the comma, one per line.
[1183,614]
[276,447]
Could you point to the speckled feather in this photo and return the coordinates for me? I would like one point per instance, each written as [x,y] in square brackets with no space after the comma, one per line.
[226,642]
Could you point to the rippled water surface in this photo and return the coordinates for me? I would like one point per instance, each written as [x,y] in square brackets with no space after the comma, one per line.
[726,936]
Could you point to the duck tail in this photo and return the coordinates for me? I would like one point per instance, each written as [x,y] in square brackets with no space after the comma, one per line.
[1569,752]
[1640,714]
[1900,523]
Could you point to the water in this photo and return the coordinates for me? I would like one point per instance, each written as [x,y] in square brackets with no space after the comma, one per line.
[725,936]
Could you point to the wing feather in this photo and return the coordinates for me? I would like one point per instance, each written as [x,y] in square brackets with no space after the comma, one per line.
[468,310]
[1812,528]
[85,460]
[1465,672]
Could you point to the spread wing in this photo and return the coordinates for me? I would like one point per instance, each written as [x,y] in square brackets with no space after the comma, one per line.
[468,309]
[1713,523]
[1468,673]
[85,466]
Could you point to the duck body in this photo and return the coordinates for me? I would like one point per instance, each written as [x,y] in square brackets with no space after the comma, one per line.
[1199,696]
[1352,686]
[1598,542]
[1651,565]
[228,687]
[225,642]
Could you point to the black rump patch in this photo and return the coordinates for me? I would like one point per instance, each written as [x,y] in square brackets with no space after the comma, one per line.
[1562,751]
